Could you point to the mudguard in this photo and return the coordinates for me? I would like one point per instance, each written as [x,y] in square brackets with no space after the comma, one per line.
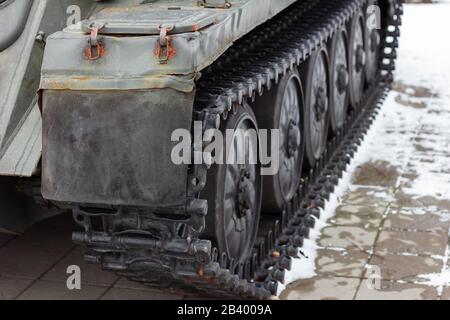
[113,147]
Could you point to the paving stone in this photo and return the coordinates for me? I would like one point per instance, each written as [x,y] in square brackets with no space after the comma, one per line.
[90,274]
[5,238]
[24,263]
[378,173]
[322,288]
[80,249]
[48,290]
[44,238]
[437,204]
[358,216]
[411,242]
[129,294]
[341,263]
[446,294]
[408,219]
[391,290]
[366,196]
[347,237]
[403,199]
[64,220]
[12,287]
[404,268]
[123,283]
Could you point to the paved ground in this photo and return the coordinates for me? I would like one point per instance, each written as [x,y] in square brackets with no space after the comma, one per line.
[395,216]
[33,266]
[393,220]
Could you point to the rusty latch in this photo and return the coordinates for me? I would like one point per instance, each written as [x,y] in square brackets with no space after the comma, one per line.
[164,49]
[95,48]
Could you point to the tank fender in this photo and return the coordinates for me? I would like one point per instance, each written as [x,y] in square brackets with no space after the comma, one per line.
[114,147]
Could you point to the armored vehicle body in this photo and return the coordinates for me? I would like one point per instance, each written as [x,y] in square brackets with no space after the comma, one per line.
[25,25]
[122,90]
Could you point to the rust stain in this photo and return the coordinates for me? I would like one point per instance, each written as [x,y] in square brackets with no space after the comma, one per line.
[165,54]
[201,271]
[109,10]
[100,51]
[82,78]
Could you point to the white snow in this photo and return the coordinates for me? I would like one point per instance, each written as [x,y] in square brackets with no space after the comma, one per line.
[439,280]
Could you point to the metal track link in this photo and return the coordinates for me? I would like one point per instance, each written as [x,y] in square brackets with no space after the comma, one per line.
[254,64]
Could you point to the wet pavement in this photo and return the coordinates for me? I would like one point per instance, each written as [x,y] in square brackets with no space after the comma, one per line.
[34,266]
[388,238]
[381,243]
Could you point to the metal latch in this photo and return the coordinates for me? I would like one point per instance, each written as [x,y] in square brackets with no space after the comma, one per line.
[164,49]
[223,4]
[95,48]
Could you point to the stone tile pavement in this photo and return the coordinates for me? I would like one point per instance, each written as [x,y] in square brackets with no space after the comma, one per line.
[395,217]
[385,223]
[34,265]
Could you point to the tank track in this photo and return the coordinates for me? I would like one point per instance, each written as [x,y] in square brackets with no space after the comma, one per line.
[156,250]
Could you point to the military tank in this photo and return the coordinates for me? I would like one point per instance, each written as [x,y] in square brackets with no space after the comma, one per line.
[118,89]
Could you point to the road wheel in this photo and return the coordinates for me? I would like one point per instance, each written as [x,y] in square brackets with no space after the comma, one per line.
[357,59]
[233,190]
[339,76]
[316,83]
[282,109]
[373,41]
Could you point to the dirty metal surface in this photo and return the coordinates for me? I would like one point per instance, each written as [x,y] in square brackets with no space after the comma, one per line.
[95,135]
[198,46]
[20,66]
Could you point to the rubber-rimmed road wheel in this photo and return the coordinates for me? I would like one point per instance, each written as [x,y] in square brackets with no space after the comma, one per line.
[373,42]
[339,76]
[233,190]
[282,108]
[315,80]
[357,59]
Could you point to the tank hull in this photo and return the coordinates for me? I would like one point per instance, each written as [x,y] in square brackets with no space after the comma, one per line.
[25,26]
